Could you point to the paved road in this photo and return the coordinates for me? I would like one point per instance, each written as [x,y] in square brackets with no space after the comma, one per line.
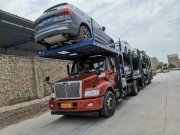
[155,111]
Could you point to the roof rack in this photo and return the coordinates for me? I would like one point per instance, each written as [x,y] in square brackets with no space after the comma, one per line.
[75,51]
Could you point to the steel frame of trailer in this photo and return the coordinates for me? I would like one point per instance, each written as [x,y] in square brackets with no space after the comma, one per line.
[87,48]
[73,51]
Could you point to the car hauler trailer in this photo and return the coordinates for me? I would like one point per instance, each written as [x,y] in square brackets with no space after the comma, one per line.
[142,66]
[97,79]
[137,65]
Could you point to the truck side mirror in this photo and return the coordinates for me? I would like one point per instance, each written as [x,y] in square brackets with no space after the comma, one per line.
[103,28]
[68,70]
[47,78]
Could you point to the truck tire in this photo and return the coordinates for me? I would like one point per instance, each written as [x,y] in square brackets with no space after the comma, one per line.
[84,33]
[149,79]
[134,88]
[109,105]
[147,82]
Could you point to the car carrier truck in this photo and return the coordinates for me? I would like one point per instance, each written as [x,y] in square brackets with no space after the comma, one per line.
[99,76]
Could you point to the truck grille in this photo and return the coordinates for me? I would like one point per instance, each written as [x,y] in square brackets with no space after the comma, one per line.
[68,90]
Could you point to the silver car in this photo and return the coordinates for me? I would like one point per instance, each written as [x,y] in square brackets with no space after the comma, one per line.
[65,24]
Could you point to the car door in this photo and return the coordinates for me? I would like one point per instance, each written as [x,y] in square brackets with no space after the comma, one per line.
[105,37]
[98,33]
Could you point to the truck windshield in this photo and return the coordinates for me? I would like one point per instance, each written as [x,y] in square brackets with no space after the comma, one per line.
[89,65]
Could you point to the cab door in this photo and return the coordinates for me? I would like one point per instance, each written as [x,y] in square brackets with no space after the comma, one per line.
[111,73]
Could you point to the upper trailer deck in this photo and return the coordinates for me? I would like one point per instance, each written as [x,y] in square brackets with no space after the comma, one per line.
[75,51]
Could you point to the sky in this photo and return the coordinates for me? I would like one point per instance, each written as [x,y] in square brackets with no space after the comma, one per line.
[150,25]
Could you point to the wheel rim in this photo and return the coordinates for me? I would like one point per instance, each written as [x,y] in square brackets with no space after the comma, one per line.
[85,34]
[110,103]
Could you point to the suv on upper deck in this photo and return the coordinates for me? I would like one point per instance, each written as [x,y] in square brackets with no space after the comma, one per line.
[65,24]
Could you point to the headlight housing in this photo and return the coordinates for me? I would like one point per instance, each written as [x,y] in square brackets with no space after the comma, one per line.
[91,93]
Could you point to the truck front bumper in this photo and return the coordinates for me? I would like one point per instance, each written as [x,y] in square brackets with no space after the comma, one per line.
[83,105]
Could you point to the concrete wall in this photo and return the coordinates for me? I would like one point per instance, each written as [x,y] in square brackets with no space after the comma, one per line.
[22,78]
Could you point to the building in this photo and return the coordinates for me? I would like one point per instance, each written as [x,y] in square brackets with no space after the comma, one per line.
[154,63]
[17,36]
[161,66]
[173,59]
[179,62]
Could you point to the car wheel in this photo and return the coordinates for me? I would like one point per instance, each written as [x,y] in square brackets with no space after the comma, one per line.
[84,33]
[108,105]
[134,88]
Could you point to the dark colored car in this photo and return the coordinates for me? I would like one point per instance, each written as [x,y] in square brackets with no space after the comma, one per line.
[66,24]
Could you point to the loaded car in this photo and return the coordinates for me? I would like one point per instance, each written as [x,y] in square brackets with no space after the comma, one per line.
[65,24]
[125,47]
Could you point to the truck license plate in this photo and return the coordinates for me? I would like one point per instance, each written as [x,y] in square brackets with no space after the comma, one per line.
[66,105]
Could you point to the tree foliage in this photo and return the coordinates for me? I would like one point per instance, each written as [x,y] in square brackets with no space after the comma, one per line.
[172,66]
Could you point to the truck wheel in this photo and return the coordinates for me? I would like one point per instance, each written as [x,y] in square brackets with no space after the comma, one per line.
[84,33]
[134,88]
[146,82]
[108,105]
[149,80]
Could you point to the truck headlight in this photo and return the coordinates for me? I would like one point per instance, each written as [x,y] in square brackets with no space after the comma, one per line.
[91,93]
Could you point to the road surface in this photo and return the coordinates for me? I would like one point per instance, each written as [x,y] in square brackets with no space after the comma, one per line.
[155,111]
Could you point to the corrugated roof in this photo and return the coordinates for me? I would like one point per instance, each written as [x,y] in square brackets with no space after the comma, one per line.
[17,32]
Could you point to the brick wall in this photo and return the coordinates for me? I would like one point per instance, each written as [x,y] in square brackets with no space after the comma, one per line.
[22,78]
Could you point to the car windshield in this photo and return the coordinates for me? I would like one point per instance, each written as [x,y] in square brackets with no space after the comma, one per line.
[89,65]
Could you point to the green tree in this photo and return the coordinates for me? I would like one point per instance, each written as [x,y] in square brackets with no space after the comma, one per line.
[172,66]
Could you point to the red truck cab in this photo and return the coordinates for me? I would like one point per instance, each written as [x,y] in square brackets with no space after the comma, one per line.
[90,86]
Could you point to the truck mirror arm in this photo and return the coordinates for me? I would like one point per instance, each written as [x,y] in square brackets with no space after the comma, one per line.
[98,72]
[49,83]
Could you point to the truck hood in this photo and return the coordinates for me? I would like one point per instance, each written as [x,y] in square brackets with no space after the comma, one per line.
[79,77]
